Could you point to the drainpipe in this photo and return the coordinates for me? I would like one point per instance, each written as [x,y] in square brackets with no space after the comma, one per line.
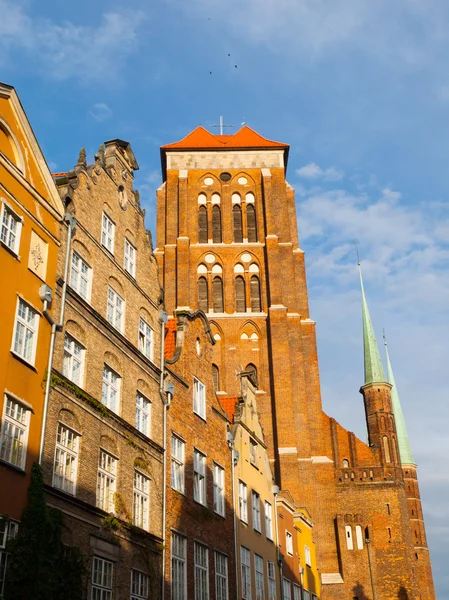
[166,403]
[278,554]
[55,327]
[368,547]
[234,461]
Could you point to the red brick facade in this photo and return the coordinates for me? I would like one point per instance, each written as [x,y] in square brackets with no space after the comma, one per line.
[343,482]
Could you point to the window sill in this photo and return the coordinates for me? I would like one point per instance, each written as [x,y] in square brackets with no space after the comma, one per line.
[10,250]
[200,416]
[220,515]
[23,361]
[180,492]
[15,468]
[200,503]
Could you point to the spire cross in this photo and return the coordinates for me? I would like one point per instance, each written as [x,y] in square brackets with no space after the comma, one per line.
[221,125]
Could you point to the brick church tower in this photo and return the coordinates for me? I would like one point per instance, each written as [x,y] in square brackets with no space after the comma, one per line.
[227,243]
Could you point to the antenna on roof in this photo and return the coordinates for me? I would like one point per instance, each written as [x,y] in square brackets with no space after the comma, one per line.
[221,125]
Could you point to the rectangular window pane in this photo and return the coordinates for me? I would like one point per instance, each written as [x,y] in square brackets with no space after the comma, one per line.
[110,395]
[107,233]
[256,510]
[130,258]
[201,572]
[199,398]
[143,414]
[271,581]
[106,481]
[8,531]
[219,497]
[80,276]
[260,583]
[145,339]
[25,331]
[243,502]
[115,309]
[287,589]
[221,576]
[245,559]
[102,575]
[66,459]
[178,567]
[141,500]
[73,362]
[139,585]
[14,433]
[199,477]
[268,521]
[177,463]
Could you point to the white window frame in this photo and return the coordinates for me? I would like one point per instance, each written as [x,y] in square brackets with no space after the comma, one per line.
[296,592]
[178,567]
[306,594]
[221,576]
[106,481]
[243,502]
[107,232]
[178,447]
[255,505]
[348,535]
[80,276]
[201,570]
[289,543]
[199,398]
[73,362]
[115,309]
[65,466]
[140,584]
[245,561]
[286,589]
[29,330]
[14,432]
[146,339]
[8,531]
[143,414]
[219,490]
[359,537]
[199,477]
[307,556]
[110,391]
[141,501]
[259,577]
[268,520]
[129,261]
[6,230]
[102,579]
[271,570]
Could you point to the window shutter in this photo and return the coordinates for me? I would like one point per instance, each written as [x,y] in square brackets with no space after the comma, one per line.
[251,223]
[237,220]
[255,294]
[202,294]
[217,290]
[216,377]
[240,300]
[216,225]
[202,225]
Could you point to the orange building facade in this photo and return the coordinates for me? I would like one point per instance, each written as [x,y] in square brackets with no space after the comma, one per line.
[227,243]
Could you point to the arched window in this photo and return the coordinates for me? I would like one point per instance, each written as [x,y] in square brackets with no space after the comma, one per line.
[359,537]
[217,294]
[237,222]
[250,368]
[254,287]
[216,377]
[349,540]
[216,224]
[345,463]
[203,298]
[240,299]
[395,454]
[251,223]
[202,225]
[386,449]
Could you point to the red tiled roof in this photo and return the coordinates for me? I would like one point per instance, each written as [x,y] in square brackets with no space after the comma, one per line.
[59,174]
[229,403]
[170,338]
[246,137]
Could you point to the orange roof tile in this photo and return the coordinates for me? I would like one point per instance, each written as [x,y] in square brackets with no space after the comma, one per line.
[170,338]
[59,174]
[246,137]
[229,403]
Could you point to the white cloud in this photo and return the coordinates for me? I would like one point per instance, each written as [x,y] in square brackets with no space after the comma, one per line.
[100,111]
[314,171]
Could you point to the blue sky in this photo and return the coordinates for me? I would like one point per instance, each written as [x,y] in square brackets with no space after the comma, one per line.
[360,89]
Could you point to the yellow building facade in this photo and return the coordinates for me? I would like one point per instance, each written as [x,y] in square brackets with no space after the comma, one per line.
[310,576]
[31,212]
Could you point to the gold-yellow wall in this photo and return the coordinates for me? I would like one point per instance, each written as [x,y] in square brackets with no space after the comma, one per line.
[311,576]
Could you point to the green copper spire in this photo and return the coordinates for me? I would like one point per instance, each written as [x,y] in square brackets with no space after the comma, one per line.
[405,451]
[374,371]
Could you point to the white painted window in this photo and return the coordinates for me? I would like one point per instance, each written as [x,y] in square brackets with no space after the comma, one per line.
[115,309]
[199,477]
[139,585]
[107,233]
[243,502]
[201,572]
[245,559]
[307,555]
[141,500]
[268,520]
[130,258]
[14,433]
[255,497]
[253,458]
[106,481]
[221,576]
[287,588]
[25,331]
[178,567]
[66,459]
[73,362]
[143,414]
[110,394]
[199,398]
[219,492]
[80,276]
[349,540]
[296,592]
[102,577]
[272,593]
[259,576]
[359,537]
[177,463]
[306,595]
[145,339]
[289,543]
[8,531]
[11,227]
